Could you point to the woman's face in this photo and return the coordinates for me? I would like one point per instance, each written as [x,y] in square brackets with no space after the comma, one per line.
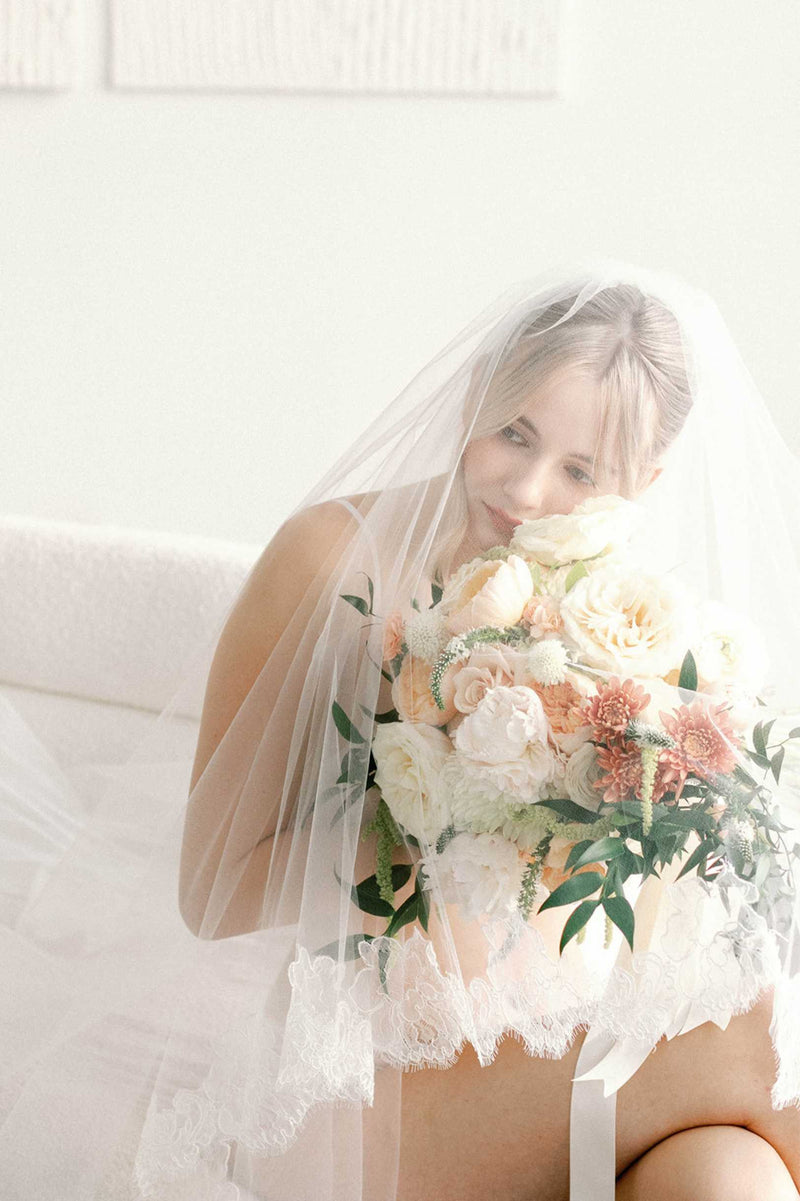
[539,464]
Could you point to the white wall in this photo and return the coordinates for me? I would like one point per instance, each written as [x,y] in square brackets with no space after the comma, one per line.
[204,297]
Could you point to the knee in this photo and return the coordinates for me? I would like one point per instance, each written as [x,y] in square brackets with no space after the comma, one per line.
[717,1163]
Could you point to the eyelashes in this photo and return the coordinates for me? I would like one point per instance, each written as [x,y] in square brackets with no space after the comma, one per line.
[516,439]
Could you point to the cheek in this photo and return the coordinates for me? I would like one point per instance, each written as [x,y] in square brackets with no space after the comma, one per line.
[483,462]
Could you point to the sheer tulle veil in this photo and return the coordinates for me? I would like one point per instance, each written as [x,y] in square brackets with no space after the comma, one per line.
[208,994]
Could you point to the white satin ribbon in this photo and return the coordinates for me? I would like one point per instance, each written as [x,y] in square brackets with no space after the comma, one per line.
[603,1066]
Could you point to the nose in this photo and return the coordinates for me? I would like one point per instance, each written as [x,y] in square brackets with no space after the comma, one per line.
[526,492]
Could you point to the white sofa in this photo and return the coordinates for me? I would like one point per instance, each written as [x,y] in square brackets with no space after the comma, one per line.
[99,624]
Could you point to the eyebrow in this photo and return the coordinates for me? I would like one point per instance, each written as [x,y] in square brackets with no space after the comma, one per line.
[583,458]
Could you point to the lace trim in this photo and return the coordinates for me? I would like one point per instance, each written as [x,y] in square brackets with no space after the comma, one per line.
[401,1009]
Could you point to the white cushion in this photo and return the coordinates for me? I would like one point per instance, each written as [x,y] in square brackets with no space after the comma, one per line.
[105,614]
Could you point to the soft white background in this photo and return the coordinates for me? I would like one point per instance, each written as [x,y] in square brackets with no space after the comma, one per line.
[205,297]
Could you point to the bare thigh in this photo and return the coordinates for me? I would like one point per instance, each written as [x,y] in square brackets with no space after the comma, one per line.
[503,1130]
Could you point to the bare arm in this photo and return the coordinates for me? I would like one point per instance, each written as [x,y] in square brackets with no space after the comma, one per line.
[284,585]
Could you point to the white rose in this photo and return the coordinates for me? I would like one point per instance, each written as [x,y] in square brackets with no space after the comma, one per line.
[582,770]
[505,740]
[408,759]
[731,649]
[625,621]
[491,592]
[480,872]
[599,525]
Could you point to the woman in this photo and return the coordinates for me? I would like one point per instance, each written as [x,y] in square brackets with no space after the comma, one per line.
[350,906]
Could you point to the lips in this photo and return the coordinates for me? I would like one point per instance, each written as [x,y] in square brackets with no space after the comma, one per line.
[501,520]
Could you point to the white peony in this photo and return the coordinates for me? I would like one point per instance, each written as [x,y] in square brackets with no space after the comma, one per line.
[408,758]
[480,872]
[505,741]
[473,802]
[599,525]
[628,622]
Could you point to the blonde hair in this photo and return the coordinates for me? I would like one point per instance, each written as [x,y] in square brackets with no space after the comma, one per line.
[630,345]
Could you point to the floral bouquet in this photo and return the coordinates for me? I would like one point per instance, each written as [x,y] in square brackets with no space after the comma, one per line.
[564,719]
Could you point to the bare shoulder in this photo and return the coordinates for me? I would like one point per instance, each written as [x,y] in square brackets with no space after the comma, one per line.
[278,598]
[305,541]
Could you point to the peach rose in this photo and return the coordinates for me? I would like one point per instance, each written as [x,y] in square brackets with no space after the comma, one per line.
[412,696]
[485,669]
[553,873]
[393,636]
[493,592]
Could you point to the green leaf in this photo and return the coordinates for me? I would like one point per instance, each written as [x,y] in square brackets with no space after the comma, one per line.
[351,945]
[415,604]
[620,911]
[344,725]
[371,590]
[401,874]
[605,848]
[569,810]
[575,852]
[688,675]
[423,903]
[761,760]
[405,914]
[795,733]
[759,741]
[576,572]
[576,921]
[777,763]
[350,799]
[357,602]
[762,870]
[699,855]
[573,889]
[436,593]
[366,895]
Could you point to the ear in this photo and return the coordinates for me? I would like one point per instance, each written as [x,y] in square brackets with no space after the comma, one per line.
[654,476]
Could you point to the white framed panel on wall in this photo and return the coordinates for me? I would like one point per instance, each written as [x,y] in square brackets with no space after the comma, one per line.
[467,47]
[37,43]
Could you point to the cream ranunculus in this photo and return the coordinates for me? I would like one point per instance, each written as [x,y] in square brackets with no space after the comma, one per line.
[599,525]
[480,872]
[627,621]
[408,759]
[493,592]
[505,741]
